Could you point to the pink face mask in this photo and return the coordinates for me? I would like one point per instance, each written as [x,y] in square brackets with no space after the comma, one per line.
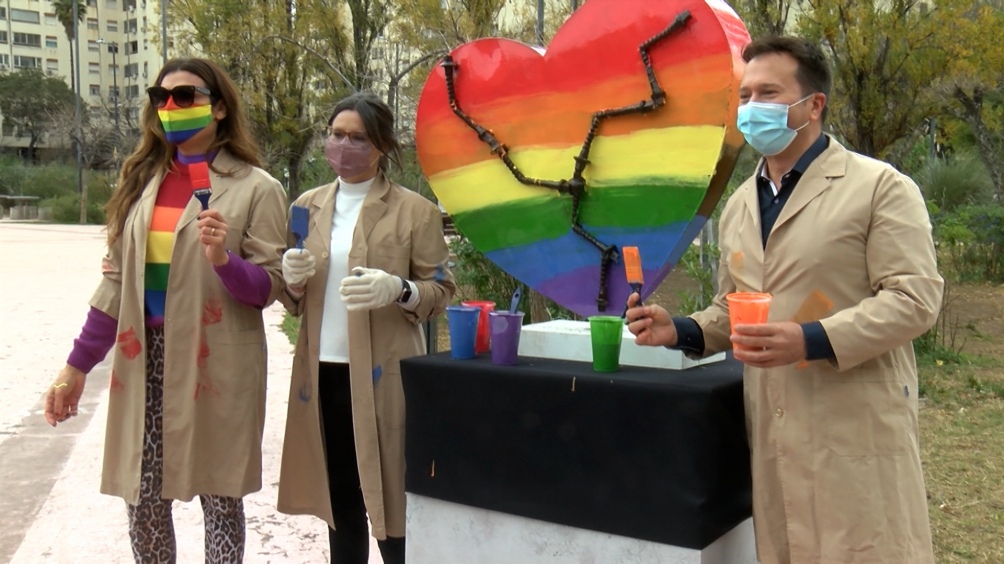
[349,159]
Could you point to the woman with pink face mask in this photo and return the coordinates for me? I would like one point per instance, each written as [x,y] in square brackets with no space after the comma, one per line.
[195,242]
[373,269]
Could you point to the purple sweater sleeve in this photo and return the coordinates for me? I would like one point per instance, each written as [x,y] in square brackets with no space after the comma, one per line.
[96,338]
[247,283]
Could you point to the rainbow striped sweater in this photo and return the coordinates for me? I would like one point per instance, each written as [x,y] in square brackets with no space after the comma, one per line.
[172,198]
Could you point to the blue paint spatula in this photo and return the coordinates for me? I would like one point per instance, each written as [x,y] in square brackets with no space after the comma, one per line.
[299,224]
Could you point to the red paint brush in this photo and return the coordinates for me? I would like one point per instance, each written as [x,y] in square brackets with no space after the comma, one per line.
[201,188]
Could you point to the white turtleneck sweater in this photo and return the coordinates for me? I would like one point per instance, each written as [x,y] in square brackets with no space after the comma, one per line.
[334,346]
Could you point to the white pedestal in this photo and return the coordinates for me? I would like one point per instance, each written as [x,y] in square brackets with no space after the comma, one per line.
[440,532]
[569,340]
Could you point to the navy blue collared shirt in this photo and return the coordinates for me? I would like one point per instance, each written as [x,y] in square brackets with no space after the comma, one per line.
[690,337]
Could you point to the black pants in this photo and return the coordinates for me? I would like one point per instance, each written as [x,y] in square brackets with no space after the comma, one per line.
[349,540]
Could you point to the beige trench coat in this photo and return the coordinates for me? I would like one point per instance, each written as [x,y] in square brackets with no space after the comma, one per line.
[214,355]
[835,453]
[399,232]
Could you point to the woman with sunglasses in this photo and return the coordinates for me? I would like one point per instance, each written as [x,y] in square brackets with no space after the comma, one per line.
[185,281]
[372,271]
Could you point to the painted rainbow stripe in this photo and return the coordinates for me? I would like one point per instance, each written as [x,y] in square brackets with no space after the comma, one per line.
[181,124]
[652,179]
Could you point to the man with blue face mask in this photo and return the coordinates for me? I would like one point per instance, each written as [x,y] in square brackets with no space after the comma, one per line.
[842,242]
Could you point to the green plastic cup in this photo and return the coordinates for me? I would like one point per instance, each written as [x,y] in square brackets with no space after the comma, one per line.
[606,333]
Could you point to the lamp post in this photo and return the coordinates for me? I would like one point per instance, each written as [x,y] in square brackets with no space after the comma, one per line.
[163,30]
[540,22]
[76,115]
[113,48]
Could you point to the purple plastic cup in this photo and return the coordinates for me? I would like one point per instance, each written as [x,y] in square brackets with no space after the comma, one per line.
[506,327]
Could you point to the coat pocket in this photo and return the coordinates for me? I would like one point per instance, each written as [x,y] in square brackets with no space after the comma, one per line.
[865,417]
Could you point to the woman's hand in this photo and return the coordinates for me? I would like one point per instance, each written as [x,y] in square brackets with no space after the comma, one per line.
[63,397]
[213,234]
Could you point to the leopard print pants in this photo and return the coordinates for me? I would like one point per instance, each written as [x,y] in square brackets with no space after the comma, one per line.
[151,528]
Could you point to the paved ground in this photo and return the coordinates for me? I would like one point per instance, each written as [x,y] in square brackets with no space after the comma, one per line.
[50,508]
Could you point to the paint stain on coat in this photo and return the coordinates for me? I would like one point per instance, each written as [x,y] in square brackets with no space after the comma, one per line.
[205,382]
[129,344]
[203,354]
[304,393]
[377,373]
[212,312]
[815,307]
[115,385]
[205,386]
[736,268]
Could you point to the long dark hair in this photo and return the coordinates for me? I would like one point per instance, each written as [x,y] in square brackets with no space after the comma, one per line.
[153,154]
[378,119]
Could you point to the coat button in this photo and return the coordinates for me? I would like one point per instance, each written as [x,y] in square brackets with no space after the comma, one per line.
[324,254]
[778,412]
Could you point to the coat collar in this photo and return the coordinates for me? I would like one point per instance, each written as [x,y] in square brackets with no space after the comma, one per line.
[374,206]
[230,169]
[832,163]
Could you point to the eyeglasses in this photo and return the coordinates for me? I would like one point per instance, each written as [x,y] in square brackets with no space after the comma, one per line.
[354,138]
[183,96]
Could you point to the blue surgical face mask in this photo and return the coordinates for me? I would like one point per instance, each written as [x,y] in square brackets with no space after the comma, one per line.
[765,126]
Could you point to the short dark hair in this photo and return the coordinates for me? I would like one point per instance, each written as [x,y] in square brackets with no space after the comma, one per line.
[378,119]
[813,73]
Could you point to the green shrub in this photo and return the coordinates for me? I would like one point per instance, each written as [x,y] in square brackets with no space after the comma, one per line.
[66,209]
[690,265]
[971,241]
[55,184]
[962,180]
[942,343]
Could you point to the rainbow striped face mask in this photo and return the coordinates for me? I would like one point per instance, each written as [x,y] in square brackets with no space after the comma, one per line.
[181,124]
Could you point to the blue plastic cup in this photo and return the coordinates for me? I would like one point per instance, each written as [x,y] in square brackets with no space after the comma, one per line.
[463,321]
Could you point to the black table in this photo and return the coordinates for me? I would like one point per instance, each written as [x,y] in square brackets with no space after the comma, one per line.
[659,455]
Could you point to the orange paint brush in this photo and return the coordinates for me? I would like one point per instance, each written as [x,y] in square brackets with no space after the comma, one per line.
[632,271]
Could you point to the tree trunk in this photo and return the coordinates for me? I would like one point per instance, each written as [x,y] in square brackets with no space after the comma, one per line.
[538,308]
[293,186]
[988,145]
[73,72]
[83,204]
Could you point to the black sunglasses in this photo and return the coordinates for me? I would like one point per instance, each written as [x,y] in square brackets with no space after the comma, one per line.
[183,96]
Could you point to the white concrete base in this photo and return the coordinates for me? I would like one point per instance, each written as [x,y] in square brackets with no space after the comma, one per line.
[440,532]
[569,340]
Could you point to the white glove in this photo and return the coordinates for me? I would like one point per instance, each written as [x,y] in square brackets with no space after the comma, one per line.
[297,267]
[369,288]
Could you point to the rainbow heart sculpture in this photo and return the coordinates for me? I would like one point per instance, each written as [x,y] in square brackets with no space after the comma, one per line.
[650,174]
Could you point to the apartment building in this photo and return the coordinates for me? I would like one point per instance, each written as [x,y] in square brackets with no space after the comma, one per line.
[119,55]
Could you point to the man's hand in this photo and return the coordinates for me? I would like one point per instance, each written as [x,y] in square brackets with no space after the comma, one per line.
[651,325]
[772,344]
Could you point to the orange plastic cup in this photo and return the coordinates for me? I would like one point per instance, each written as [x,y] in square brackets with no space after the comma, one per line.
[747,308]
